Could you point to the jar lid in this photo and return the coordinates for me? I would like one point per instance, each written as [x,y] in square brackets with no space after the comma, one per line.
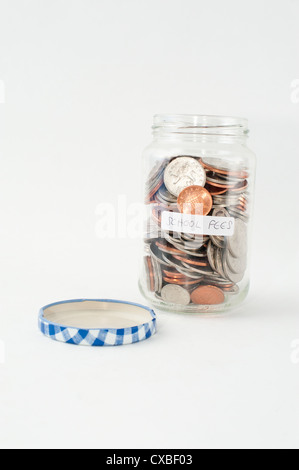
[89,322]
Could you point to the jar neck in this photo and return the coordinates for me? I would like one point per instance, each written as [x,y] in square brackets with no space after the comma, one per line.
[197,128]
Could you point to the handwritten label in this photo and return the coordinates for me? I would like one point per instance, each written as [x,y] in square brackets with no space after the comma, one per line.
[197,224]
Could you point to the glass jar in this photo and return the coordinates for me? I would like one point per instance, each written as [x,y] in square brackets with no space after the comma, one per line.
[199,198]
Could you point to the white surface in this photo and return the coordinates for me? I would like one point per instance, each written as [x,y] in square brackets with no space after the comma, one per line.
[83,80]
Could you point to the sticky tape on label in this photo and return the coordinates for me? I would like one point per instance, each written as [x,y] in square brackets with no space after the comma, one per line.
[197,224]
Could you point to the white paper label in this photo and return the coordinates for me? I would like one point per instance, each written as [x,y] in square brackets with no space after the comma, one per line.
[198,224]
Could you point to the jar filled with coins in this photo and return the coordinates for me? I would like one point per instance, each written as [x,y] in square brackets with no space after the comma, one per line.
[199,197]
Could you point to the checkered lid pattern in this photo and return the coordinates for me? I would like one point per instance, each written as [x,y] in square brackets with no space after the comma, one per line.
[97,337]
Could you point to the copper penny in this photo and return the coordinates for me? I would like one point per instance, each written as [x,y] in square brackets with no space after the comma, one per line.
[214,191]
[240,186]
[207,295]
[151,273]
[174,274]
[168,249]
[242,174]
[195,200]
[240,208]
[180,282]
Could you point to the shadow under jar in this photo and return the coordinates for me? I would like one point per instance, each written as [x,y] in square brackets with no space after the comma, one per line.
[199,197]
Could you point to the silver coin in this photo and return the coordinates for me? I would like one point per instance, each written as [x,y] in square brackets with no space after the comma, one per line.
[211,255]
[219,262]
[156,171]
[219,212]
[193,269]
[233,290]
[182,173]
[197,254]
[147,275]
[234,277]
[178,266]
[165,196]
[156,254]
[175,295]
[241,216]
[237,243]
[237,212]
[157,275]
[186,247]
[218,241]
[237,265]
[219,181]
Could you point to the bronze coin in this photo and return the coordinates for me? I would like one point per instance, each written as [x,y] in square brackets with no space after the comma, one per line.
[181,282]
[195,200]
[168,249]
[214,191]
[240,186]
[151,273]
[207,295]
[242,174]
[174,274]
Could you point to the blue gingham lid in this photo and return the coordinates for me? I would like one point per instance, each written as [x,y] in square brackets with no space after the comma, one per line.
[89,322]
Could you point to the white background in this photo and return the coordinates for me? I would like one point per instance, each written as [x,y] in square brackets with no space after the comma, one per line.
[83,79]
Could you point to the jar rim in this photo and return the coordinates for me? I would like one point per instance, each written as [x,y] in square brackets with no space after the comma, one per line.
[201,124]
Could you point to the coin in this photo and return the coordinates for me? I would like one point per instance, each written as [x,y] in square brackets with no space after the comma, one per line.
[175,295]
[237,243]
[156,254]
[210,266]
[237,265]
[234,277]
[195,200]
[240,186]
[192,261]
[207,295]
[150,273]
[183,172]
[180,282]
[155,180]
[175,275]
[168,249]
[211,255]
[219,183]
[187,271]
[219,168]
[158,278]
[219,263]
[154,190]
[213,190]
[165,197]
